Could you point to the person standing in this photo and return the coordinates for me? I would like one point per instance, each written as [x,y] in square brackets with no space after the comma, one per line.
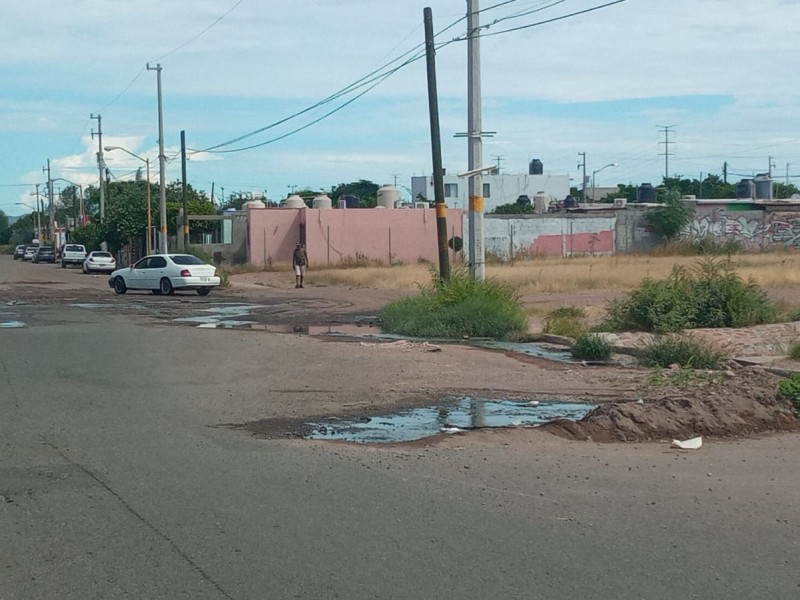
[300,262]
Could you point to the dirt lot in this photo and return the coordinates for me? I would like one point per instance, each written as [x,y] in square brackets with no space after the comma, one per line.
[738,402]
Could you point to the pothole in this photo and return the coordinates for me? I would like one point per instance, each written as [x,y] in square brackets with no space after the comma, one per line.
[463,414]
[12,324]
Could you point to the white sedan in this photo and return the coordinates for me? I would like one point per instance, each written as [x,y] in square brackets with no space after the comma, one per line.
[99,261]
[165,273]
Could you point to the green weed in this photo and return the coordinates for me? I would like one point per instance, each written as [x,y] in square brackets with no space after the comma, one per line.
[459,307]
[567,321]
[680,351]
[794,351]
[790,389]
[592,346]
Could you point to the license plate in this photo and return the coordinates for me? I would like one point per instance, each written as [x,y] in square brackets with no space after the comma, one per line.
[204,279]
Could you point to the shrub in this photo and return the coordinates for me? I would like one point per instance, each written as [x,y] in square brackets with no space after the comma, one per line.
[459,307]
[710,294]
[790,389]
[592,346]
[672,217]
[680,351]
[566,321]
[794,351]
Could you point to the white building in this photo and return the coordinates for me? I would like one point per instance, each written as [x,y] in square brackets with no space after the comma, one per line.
[497,189]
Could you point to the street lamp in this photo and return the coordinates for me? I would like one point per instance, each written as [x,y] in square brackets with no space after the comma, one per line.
[37,217]
[146,161]
[596,172]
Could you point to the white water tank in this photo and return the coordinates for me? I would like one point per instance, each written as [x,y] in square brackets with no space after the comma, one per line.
[294,201]
[388,196]
[322,201]
[254,204]
[541,202]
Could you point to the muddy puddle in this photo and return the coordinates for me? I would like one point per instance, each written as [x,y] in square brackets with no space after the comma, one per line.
[454,417]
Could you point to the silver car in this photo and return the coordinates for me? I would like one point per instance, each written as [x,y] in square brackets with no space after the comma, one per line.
[99,261]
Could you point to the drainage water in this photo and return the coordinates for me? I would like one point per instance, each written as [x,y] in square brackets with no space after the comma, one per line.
[11,324]
[463,414]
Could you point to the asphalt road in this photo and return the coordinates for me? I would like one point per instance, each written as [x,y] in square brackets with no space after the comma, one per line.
[118,479]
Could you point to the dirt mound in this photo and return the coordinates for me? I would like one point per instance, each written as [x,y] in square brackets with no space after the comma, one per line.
[745,403]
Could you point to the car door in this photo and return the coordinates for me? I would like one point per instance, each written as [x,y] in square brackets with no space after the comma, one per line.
[157,270]
[137,279]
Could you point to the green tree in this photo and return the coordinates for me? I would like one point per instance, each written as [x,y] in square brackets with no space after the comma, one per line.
[5,229]
[670,219]
[366,190]
[514,209]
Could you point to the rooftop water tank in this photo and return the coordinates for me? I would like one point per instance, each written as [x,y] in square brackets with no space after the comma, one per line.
[294,201]
[570,202]
[646,193]
[322,201]
[535,167]
[764,190]
[541,202]
[349,201]
[745,190]
[254,204]
[523,199]
[388,196]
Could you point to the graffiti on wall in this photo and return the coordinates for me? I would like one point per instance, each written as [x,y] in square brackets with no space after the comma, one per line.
[769,229]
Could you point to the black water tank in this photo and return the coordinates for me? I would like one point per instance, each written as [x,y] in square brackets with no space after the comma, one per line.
[535,167]
[351,201]
[570,202]
[646,193]
[524,200]
[745,189]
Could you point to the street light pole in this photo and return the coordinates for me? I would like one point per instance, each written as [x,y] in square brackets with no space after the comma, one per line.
[162,163]
[596,172]
[147,176]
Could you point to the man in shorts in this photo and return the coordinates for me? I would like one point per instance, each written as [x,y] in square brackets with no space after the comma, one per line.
[300,262]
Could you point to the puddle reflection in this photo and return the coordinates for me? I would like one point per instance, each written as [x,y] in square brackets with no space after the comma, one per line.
[463,414]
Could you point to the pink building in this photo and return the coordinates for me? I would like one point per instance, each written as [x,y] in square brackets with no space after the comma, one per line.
[335,236]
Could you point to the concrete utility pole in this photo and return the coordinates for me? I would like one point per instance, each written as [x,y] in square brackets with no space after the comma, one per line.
[100,164]
[51,206]
[771,165]
[665,129]
[183,191]
[583,165]
[163,245]
[477,257]
[436,148]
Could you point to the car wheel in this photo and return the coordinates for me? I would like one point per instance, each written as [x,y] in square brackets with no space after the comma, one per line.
[156,292]
[85,270]
[63,265]
[165,285]
[119,285]
[203,291]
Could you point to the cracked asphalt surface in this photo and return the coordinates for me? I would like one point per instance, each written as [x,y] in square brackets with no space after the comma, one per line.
[117,479]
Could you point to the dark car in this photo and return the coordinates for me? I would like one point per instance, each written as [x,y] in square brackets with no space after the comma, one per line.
[19,252]
[44,254]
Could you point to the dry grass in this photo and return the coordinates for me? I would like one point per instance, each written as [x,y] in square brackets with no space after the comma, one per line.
[621,272]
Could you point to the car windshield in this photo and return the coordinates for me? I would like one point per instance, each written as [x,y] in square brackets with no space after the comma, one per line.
[101,255]
[45,250]
[73,248]
[186,259]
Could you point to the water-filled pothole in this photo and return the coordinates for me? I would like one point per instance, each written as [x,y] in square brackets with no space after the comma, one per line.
[11,324]
[453,417]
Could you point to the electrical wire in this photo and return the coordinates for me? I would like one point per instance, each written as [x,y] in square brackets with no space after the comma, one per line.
[377,76]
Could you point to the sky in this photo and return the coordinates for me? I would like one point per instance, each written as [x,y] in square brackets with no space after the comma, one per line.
[721,73]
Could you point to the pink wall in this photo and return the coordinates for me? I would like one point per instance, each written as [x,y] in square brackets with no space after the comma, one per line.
[339,235]
[601,242]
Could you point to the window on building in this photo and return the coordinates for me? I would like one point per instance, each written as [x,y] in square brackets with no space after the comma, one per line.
[487,192]
[451,190]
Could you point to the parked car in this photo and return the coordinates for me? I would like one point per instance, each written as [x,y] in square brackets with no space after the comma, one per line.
[165,273]
[99,261]
[30,250]
[44,254]
[19,251]
[72,254]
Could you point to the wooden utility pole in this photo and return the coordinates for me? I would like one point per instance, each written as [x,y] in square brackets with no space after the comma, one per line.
[436,148]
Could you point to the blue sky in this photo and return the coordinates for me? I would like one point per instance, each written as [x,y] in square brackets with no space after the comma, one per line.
[722,71]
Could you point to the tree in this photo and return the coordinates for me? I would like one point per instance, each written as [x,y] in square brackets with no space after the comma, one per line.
[672,217]
[515,208]
[5,230]
[366,190]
